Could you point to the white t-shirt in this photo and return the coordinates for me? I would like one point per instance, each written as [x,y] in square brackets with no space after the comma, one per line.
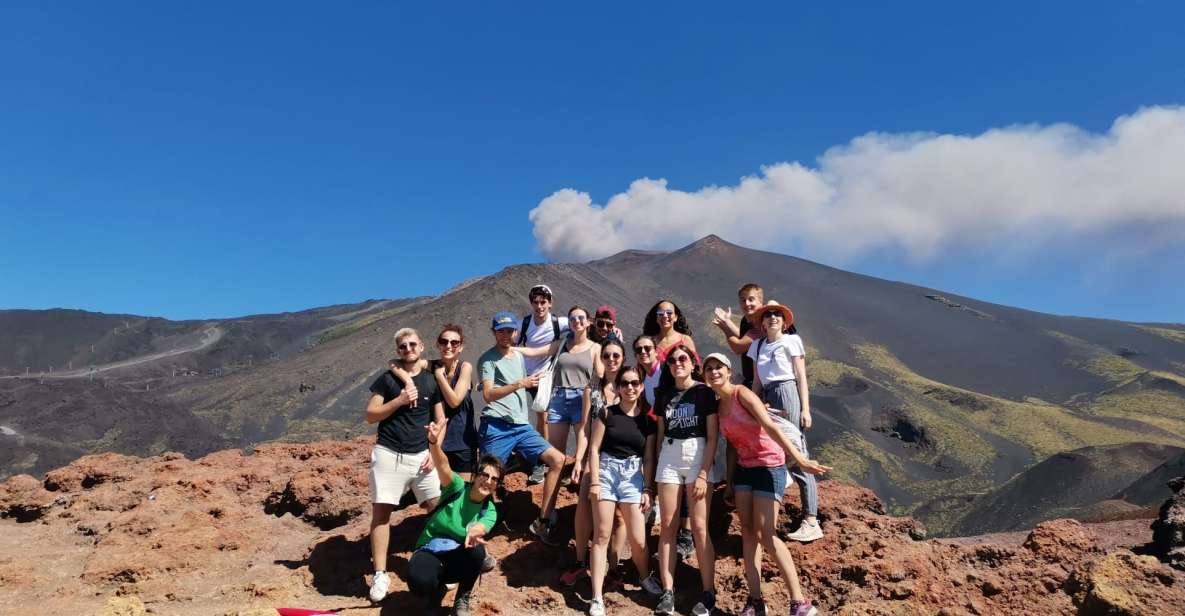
[773,359]
[541,335]
[650,381]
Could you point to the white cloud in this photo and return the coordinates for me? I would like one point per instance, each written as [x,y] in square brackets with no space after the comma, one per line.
[922,194]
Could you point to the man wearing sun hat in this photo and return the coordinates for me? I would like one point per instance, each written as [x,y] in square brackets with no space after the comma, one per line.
[779,360]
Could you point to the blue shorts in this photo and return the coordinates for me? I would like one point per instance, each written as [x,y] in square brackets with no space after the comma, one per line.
[500,438]
[566,405]
[621,480]
[769,482]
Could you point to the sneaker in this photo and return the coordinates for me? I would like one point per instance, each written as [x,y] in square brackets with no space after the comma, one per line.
[537,475]
[461,605]
[543,530]
[666,604]
[596,608]
[802,609]
[652,585]
[573,574]
[685,544]
[488,564]
[754,607]
[379,587]
[807,532]
[706,604]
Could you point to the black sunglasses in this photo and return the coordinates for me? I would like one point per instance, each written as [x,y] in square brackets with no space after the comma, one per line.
[631,383]
[407,346]
[643,349]
[447,342]
[485,475]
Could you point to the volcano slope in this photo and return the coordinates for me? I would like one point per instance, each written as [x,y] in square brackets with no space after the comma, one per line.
[927,398]
[287,526]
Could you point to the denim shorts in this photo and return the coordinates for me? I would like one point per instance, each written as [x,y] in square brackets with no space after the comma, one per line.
[500,438]
[566,405]
[621,479]
[766,481]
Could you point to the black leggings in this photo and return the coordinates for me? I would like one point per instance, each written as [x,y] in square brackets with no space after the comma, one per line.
[429,571]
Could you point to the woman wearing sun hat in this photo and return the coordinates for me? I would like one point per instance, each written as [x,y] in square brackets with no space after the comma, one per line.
[780,380]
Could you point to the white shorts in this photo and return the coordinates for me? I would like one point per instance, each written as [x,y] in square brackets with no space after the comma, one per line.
[680,460]
[392,474]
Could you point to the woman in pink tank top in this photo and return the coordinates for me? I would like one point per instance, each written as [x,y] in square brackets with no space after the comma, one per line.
[758,481]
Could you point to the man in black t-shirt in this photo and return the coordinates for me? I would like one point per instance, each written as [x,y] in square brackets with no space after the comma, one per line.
[403,402]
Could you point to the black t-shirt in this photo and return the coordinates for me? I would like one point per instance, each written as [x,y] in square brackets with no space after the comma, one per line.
[746,361]
[625,436]
[685,413]
[404,430]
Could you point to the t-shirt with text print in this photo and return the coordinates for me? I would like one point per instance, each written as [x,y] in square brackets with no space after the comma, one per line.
[685,413]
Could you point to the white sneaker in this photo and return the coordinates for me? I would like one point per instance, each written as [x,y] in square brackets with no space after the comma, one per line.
[378,588]
[807,532]
[652,585]
[596,608]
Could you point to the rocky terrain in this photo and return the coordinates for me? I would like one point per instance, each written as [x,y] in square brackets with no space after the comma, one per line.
[938,403]
[286,525]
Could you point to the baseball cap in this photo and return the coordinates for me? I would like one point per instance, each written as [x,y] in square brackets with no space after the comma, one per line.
[720,358]
[504,320]
[606,311]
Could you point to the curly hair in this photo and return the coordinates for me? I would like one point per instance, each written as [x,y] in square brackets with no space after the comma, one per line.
[650,325]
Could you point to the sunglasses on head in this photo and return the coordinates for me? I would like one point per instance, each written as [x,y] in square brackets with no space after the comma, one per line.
[679,359]
[631,383]
[661,312]
[449,343]
[407,346]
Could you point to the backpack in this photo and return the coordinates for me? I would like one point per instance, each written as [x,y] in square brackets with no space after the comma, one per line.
[522,331]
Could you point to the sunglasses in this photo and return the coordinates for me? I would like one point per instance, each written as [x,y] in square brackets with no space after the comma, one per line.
[610,355]
[578,319]
[487,476]
[449,343]
[643,349]
[603,324]
[408,346]
[664,313]
[679,359]
[631,383]
[772,314]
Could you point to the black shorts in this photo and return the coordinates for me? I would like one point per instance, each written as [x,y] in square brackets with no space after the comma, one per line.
[461,461]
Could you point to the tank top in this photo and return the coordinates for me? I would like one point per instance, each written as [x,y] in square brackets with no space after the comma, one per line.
[753,446]
[574,370]
[459,433]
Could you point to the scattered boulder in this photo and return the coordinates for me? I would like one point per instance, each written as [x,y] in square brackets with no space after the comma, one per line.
[1123,584]
[1063,539]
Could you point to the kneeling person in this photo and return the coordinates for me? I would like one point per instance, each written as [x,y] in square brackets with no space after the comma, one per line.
[451,549]
[399,461]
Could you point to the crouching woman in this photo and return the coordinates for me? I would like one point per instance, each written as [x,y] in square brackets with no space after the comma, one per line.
[451,549]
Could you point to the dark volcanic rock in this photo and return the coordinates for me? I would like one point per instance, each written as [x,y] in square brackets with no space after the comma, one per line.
[1168,531]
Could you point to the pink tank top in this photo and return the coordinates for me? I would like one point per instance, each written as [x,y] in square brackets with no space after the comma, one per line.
[753,446]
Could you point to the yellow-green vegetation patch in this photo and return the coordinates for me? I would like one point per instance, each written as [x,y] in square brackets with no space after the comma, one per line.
[317,429]
[1042,427]
[1098,360]
[1154,407]
[820,371]
[1176,335]
[345,329]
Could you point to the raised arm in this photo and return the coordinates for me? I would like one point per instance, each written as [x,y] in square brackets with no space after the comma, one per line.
[439,460]
[732,334]
[756,409]
[454,396]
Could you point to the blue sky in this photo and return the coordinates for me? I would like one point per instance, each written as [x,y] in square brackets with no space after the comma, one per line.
[219,159]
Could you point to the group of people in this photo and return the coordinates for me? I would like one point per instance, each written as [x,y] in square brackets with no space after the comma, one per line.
[652,438]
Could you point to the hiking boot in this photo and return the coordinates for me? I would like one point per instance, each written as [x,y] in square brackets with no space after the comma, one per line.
[542,529]
[537,475]
[803,608]
[666,604]
[706,604]
[573,574]
[461,605]
[807,532]
[596,608]
[754,607]
[488,564]
[379,587]
[652,585]
[685,543]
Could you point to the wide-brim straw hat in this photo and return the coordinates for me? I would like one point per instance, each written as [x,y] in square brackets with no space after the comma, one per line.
[787,314]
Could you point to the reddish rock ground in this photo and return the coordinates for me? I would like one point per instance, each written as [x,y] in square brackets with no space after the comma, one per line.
[288,525]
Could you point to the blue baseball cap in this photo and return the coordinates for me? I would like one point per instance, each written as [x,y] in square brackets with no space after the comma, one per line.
[505,320]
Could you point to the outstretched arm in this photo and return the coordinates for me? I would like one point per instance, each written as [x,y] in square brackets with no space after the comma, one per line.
[756,409]
[435,436]
[542,351]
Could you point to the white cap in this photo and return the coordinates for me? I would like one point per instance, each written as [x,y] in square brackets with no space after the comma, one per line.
[720,357]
